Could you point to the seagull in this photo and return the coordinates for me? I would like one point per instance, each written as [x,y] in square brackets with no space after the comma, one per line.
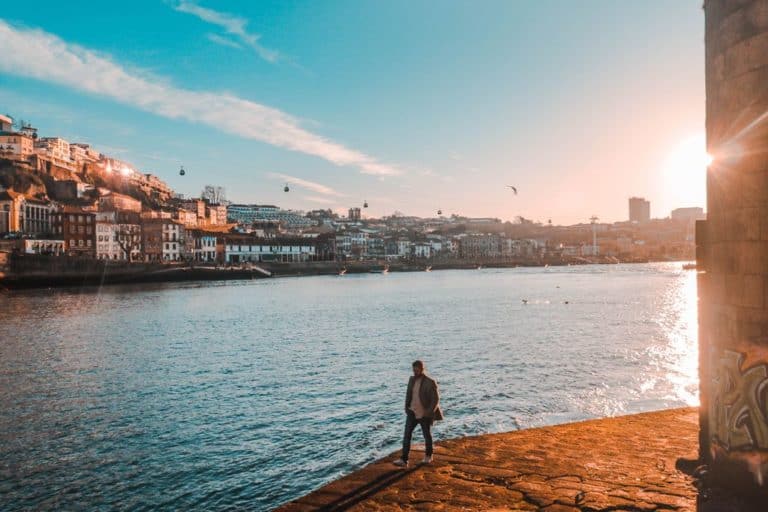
[514,189]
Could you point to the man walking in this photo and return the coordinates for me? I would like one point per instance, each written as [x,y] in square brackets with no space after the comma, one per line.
[422,407]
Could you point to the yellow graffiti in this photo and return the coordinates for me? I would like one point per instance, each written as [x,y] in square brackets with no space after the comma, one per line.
[739,406]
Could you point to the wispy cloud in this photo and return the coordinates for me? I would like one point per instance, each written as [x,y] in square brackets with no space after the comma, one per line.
[223,41]
[232,24]
[43,56]
[309,185]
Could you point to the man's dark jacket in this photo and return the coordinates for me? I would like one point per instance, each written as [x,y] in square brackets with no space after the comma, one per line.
[429,396]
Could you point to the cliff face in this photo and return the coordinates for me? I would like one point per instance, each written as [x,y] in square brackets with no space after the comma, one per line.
[26,180]
[13,176]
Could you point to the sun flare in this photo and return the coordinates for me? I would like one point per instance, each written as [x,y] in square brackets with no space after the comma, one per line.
[685,170]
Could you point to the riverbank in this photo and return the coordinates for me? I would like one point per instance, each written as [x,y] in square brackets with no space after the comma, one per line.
[642,462]
[39,271]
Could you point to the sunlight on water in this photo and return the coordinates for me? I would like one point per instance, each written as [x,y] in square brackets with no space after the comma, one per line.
[678,358]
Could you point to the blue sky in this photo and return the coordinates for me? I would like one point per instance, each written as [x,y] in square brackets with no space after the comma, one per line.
[413,106]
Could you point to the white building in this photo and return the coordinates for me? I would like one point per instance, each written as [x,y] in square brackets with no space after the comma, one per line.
[422,250]
[38,246]
[107,246]
[247,249]
[16,145]
[403,247]
[173,241]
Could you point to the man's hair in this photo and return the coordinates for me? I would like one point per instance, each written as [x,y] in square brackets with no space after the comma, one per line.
[418,363]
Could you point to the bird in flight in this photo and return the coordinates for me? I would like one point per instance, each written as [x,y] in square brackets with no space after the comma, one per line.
[513,189]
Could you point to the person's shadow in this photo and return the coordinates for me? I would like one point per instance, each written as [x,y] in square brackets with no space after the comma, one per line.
[711,498]
[367,490]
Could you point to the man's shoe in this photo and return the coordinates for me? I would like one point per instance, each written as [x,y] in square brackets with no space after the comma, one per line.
[401,463]
[427,459]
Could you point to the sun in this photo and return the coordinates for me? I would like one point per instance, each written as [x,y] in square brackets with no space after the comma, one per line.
[685,172]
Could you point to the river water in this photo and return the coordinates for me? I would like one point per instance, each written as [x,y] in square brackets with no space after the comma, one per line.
[244,395]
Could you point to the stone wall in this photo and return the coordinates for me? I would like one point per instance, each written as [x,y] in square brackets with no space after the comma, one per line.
[733,246]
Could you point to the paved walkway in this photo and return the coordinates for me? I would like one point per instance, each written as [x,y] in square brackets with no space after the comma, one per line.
[626,463]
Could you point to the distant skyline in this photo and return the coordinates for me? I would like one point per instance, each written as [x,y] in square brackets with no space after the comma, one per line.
[411,106]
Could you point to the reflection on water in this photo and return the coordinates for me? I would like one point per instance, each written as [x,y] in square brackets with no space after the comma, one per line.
[247,394]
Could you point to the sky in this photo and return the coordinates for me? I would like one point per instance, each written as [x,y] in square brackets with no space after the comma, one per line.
[411,106]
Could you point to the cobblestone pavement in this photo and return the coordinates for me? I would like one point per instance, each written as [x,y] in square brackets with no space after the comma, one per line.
[643,462]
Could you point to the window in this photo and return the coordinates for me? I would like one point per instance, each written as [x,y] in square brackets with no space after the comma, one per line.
[80,243]
[88,230]
[72,228]
[71,218]
[88,243]
[72,243]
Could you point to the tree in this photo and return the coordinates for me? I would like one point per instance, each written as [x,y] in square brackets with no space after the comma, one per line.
[214,194]
[128,238]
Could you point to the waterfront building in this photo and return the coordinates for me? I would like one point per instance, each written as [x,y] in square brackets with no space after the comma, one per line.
[422,250]
[375,247]
[78,229]
[107,247]
[403,247]
[200,246]
[639,210]
[118,235]
[243,248]
[50,247]
[162,239]
[43,246]
[24,214]
[480,246]
[354,214]
[344,243]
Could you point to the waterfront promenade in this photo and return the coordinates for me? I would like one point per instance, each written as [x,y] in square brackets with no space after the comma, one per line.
[642,462]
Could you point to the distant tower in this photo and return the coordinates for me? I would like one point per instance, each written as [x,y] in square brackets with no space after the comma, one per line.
[595,250]
[639,210]
[354,213]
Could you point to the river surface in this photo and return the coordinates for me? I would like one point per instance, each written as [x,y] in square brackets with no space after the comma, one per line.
[244,395]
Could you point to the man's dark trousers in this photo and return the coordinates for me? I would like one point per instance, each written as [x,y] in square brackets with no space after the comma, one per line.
[410,424]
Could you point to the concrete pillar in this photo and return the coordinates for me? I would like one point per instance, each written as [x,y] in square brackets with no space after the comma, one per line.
[732,247]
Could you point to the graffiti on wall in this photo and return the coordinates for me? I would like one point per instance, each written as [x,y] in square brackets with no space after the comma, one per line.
[739,403]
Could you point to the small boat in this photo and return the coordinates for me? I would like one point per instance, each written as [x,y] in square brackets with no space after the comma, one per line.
[479,267]
[342,271]
[428,269]
[384,270]
[689,266]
